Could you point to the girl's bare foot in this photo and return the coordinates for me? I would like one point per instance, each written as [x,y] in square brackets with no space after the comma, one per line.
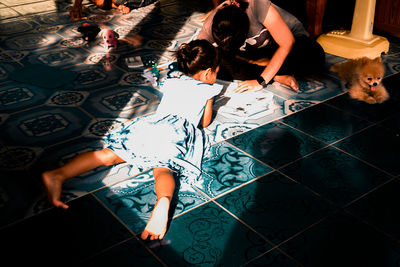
[288,80]
[53,184]
[157,225]
[124,9]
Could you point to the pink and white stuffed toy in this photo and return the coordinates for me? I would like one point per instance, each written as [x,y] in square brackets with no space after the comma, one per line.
[110,39]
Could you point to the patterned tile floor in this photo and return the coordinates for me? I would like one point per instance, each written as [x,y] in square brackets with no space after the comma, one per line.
[307,179]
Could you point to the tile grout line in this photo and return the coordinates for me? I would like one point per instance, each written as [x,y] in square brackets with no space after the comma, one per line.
[127,228]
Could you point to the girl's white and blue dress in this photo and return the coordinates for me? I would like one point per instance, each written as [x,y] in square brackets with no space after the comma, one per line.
[169,138]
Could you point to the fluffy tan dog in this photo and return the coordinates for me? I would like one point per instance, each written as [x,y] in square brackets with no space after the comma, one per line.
[363,77]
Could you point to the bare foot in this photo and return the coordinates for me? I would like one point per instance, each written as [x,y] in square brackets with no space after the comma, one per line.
[53,184]
[124,9]
[157,225]
[288,80]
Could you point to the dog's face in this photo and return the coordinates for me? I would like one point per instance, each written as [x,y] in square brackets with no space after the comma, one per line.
[371,72]
[109,38]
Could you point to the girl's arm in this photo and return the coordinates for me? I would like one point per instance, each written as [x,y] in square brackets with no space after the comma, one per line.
[207,115]
[282,35]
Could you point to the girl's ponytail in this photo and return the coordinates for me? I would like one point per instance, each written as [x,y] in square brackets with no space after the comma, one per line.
[195,56]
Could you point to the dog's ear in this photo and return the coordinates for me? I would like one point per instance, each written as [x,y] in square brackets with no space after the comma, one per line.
[116,34]
[365,60]
[378,60]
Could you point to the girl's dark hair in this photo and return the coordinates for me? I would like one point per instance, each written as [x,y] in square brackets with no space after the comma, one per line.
[229,28]
[197,55]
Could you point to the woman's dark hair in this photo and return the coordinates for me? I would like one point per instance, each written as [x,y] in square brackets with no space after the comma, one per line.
[229,28]
[197,55]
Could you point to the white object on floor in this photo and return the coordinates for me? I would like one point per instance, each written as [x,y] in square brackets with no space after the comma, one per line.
[360,41]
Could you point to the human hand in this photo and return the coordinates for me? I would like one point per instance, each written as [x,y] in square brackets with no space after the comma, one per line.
[249,85]
[76,12]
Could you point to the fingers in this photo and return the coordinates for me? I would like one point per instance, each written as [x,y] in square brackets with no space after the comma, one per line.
[244,86]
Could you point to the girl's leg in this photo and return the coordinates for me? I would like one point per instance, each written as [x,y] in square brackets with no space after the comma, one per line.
[54,179]
[164,187]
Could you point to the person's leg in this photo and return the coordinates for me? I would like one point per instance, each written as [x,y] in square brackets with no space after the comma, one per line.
[54,179]
[164,187]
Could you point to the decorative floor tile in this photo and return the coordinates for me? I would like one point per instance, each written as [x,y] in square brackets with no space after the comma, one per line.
[343,241]
[29,191]
[19,96]
[379,208]
[226,168]
[335,175]
[377,146]
[133,200]
[208,236]
[122,101]
[325,123]
[131,252]
[312,88]
[47,123]
[58,232]
[276,144]
[273,258]
[59,155]
[275,206]
[44,126]
[373,113]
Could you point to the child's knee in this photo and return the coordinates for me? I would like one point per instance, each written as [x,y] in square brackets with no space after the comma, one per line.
[107,157]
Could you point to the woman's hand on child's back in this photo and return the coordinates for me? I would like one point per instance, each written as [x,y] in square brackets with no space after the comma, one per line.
[249,85]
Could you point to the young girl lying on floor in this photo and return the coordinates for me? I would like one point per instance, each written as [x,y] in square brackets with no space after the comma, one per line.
[168,141]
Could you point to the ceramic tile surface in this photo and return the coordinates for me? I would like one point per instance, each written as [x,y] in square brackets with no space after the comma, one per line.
[308,178]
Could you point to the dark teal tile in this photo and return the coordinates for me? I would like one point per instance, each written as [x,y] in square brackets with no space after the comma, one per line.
[63,236]
[376,112]
[343,241]
[325,123]
[274,258]
[133,200]
[377,146]
[275,206]
[335,175]
[18,192]
[380,208]
[209,236]
[276,144]
[393,124]
[129,253]
[226,168]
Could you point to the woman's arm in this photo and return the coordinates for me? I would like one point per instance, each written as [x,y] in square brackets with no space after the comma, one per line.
[207,115]
[282,35]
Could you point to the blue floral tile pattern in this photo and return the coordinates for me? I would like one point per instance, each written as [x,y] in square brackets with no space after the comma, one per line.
[133,200]
[209,236]
[226,168]
[274,173]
